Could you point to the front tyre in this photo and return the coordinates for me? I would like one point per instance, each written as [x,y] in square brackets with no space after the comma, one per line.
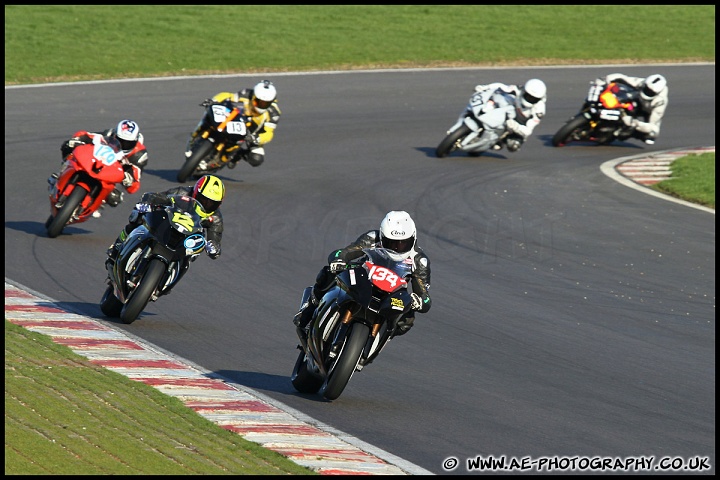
[56,225]
[450,142]
[201,150]
[346,362]
[569,131]
[139,298]
[303,379]
[109,304]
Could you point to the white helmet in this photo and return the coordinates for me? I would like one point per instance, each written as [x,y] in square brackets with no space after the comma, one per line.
[531,93]
[128,133]
[652,85]
[397,233]
[264,94]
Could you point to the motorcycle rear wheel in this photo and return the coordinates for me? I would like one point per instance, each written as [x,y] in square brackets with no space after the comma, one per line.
[200,150]
[304,380]
[139,298]
[109,304]
[448,144]
[347,361]
[57,224]
[568,132]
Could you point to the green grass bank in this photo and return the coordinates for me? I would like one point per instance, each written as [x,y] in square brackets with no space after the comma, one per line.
[46,43]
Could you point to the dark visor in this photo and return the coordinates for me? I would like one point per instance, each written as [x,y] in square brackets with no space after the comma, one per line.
[127,144]
[399,246]
[262,103]
[208,205]
[648,92]
[530,98]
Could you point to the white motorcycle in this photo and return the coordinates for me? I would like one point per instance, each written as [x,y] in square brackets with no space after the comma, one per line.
[481,125]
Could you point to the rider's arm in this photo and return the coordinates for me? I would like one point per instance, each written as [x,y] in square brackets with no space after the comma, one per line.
[421,280]
[214,229]
[634,82]
[354,250]
[652,126]
[525,126]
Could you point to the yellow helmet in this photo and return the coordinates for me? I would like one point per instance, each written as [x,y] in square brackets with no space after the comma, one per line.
[209,191]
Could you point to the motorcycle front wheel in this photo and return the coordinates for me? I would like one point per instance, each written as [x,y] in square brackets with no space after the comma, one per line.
[201,150]
[139,298]
[569,131]
[347,360]
[57,224]
[449,143]
[304,380]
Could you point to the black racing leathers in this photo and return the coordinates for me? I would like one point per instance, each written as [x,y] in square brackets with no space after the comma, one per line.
[213,224]
[420,278]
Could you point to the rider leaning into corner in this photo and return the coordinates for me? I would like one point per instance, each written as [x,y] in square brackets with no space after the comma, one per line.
[397,233]
[530,100]
[209,191]
[134,161]
[260,104]
[653,102]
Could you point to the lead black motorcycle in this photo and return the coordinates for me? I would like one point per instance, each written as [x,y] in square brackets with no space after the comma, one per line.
[220,136]
[600,118]
[153,258]
[352,323]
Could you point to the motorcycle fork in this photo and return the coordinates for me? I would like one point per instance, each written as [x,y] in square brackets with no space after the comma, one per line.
[339,339]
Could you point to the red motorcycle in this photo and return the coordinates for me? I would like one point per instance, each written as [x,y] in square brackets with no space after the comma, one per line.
[90,174]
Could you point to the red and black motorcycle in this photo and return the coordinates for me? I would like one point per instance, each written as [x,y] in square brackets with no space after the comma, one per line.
[600,118]
[353,322]
[90,174]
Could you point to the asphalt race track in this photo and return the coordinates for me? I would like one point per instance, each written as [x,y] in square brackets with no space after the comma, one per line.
[572,315]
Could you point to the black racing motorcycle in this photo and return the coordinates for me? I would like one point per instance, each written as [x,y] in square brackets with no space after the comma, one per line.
[221,135]
[600,118]
[153,258]
[352,323]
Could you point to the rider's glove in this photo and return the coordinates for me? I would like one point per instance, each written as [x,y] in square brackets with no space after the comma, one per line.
[212,250]
[206,102]
[629,121]
[128,180]
[337,266]
[416,301]
[251,140]
[512,125]
[74,142]
[142,207]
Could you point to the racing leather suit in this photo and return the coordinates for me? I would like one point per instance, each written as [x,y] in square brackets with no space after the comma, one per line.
[526,119]
[652,111]
[263,124]
[419,281]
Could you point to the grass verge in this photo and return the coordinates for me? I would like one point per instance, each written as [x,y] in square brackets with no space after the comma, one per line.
[67,416]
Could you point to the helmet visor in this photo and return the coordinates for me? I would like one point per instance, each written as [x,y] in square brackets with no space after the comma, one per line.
[263,104]
[208,205]
[530,99]
[127,145]
[400,246]
[648,92]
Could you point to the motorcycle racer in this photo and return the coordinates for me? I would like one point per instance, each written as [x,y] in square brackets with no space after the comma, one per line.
[260,103]
[398,234]
[653,103]
[530,102]
[209,191]
[135,156]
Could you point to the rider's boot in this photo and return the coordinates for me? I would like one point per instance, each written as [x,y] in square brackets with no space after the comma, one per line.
[114,249]
[304,315]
